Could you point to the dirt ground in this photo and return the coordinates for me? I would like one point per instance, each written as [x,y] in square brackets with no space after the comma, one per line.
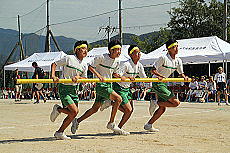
[190,128]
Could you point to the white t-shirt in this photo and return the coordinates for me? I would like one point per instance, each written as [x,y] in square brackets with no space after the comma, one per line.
[105,65]
[193,85]
[72,66]
[129,69]
[220,77]
[165,65]
[211,86]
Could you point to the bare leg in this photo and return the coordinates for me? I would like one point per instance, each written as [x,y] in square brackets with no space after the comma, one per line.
[218,97]
[226,97]
[172,102]
[117,98]
[127,110]
[90,111]
[71,111]
[37,95]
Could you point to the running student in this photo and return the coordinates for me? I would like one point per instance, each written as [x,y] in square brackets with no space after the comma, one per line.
[163,68]
[73,68]
[129,69]
[104,66]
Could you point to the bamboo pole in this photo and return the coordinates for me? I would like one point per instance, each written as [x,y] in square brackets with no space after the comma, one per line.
[23,81]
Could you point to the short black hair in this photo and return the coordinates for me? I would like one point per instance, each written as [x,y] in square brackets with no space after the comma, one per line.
[169,42]
[80,42]
[131,47]
[113,43]
[34,64]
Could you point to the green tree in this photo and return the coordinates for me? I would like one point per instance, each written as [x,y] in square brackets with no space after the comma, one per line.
[153,40]
[196,18]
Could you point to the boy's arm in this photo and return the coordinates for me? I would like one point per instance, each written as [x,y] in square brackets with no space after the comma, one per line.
[155,72]
[53,69]
[102,79]
[184,76]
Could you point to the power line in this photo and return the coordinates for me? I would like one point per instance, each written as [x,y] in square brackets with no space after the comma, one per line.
[143,26]
[138,7]
[84,18]
[29,11]
[34,9]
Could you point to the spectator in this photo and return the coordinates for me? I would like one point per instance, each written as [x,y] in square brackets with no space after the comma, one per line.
[193,86]
[220,79]
[18,87]
[211,87]
[38,74]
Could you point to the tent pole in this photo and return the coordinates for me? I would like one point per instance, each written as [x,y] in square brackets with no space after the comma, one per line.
[223,64]
[226,68]
[209,68]
[4,78]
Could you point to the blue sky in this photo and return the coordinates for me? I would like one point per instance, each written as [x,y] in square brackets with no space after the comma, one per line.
[67,10]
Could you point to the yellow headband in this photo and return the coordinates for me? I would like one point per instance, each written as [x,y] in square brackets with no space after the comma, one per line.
[82,45]
[173,44]
[116,46]
[134,48]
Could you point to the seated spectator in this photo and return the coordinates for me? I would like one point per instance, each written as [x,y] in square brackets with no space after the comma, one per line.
[202,90]
[211,88]
[193,86]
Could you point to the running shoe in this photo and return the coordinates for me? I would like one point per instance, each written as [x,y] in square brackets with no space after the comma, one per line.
[54,114]
[150,128]
[122,132]
[74,126]
[61,136]
[36,102]
[114,127]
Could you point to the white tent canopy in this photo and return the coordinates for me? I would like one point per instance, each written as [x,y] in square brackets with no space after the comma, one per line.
[195,50]
[102,50]
[44,60]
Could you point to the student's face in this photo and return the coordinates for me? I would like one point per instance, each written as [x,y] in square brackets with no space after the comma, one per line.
[136,55]
[81,52]
[114,53]
[220,70]
[173,50]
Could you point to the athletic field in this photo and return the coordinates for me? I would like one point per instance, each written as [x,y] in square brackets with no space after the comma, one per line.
[190,128]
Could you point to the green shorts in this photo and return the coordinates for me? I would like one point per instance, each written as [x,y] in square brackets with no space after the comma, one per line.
[67,94]
[162,91]
[103,91]
[125,93]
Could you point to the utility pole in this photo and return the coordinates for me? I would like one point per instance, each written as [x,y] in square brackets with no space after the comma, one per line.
[49,32]
[47,44]
[120,22]
[108,29]
[225,23]
[22,55]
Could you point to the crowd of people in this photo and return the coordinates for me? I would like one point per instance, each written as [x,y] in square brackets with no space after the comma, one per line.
[200,89]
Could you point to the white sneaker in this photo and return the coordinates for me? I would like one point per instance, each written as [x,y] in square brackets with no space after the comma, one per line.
[122,132]
[74,126]
[149,128]
[114,127]
[152,107]
[54,114]
[61,136]
[105,105]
